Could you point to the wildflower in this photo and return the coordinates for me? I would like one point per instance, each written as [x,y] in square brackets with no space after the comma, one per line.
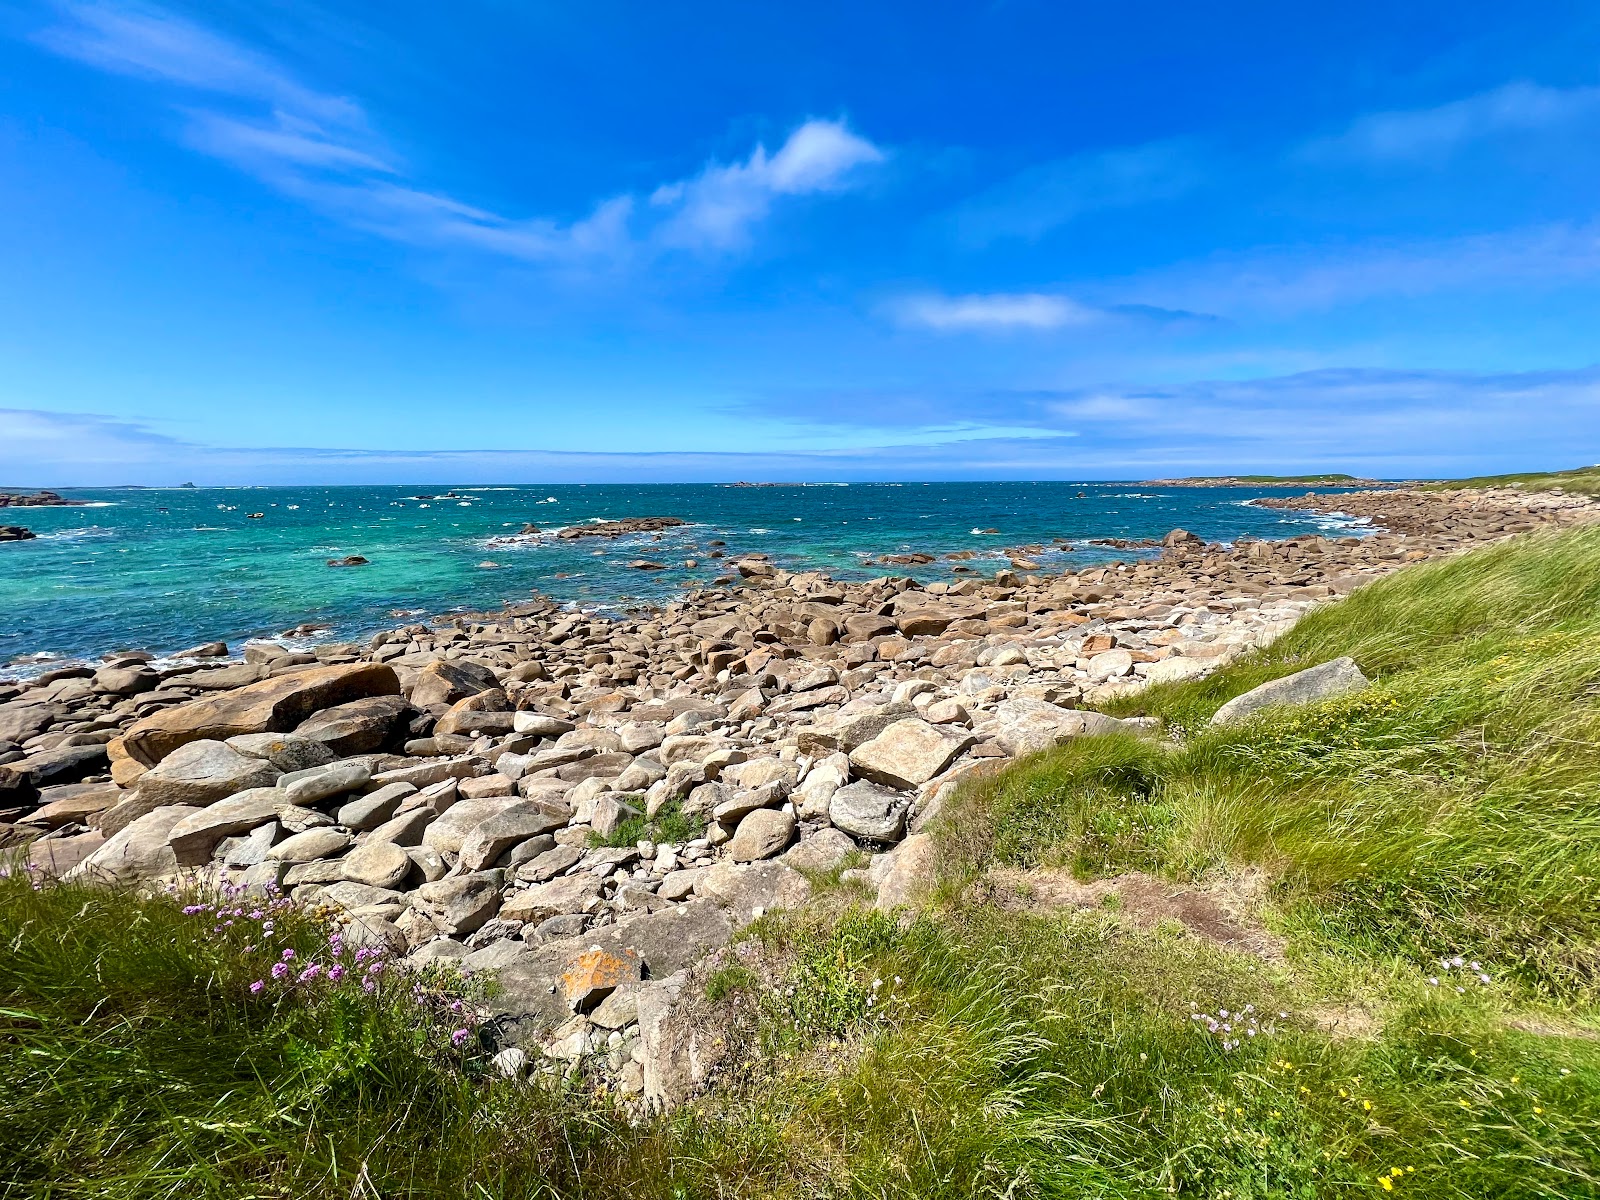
[1388,1184]
[279,970]
[256,987]
[310,973]
[335,973]
[288,954]
[459,1038]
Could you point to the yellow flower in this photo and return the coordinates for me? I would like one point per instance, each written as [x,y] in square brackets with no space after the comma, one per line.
[1367,1104]
[1396,1172]
[1387,1186]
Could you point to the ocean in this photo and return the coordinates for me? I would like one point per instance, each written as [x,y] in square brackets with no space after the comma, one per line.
[164,569]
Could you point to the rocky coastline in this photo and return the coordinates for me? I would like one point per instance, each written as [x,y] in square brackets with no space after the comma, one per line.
[40,499]
[591,806]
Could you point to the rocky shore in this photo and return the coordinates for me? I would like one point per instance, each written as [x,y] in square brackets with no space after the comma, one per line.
[35,500]
[591,806]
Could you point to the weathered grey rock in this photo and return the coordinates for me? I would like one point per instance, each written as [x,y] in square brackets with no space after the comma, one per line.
[440,684]
[196,836]
[762,834]
[569,894]
[359,726]
[426,774]
[139,851]
[844,732]
[1322,682]
[274,705]
[461,903]
[747,890]
[202,772]
[74,803]
[821,851]
[377,864]
[909,752]
[492,837]
[55,856]
[541,724]
[310,846]
[250,849]
[1174,670]
[403,829]
[528,1001]
[868,811]
[494,956]
[906,873]
[549,864]
[678,1055]
[323,782]
[355,896]
[1027,726]
[676,885]
[286,751]
[449,832]
[373,809]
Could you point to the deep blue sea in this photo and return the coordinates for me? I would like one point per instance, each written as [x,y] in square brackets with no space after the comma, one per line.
[163,569]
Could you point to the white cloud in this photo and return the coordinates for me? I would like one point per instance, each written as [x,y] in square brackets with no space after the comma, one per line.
[1047,195]
[1515,108]
[717,208]
[1281,281]
[992,312]
[321,149]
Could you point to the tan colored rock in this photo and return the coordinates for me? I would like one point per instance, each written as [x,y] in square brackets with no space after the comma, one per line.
[275,705]
[909,753]
[202,772]
[762,834]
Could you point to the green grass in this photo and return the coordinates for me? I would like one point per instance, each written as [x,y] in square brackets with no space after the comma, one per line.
[668,825]
[1580,479]
[1451,808]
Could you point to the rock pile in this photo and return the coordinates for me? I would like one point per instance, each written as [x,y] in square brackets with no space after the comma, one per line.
[588,806]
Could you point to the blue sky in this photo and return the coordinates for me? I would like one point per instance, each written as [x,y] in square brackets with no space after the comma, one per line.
[294,242]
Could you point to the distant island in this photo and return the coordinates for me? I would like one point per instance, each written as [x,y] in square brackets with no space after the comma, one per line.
[1332,479]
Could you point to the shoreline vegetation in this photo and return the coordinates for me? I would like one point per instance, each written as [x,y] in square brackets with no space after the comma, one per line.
[1262,871]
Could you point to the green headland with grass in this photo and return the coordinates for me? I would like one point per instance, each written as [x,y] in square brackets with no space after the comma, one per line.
[1585,480]
[1413,1012]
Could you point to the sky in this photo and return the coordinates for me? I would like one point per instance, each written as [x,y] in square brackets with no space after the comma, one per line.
[286,242]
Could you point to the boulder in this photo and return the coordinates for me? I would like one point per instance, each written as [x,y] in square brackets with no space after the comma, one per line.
[440,684]
[569,894]
[377,864]
[358,726]
[868,811]
[906,873]
[74,804]
[1027,726]
[140,850]
[449,833]
[274,705]
[202,772]
[909,752]
[311,846]
[492,837]
[58,766]
[373,809]
[311,787]
[287,751]
[1173,670]
[762,834]
[821,851]
[196,836]
[1323,682]
[460,903]
[540,724]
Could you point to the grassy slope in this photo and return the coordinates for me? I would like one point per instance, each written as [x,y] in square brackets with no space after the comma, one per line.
[1454,807]
[1581,479]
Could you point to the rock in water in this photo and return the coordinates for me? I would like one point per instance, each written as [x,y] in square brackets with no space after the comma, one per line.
[1321,682]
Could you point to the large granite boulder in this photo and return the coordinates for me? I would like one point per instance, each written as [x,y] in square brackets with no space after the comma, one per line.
[141,850]
[203,772]
[1321,682]
[868,811]
[909,752]
[1027,726]
[358,726]
[274,705]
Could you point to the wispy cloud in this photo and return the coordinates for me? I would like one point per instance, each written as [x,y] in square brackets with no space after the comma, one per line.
[249,110]
[994,312]
[718,207]
[1286,280]
[1432,133]
[1047,195]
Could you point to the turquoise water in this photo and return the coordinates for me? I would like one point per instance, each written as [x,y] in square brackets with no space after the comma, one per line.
[164,569]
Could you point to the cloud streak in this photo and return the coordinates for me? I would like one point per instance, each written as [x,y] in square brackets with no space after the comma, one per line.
[1412,135]
[248,110]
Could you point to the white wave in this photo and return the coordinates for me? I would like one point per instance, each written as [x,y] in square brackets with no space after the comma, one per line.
[760,531]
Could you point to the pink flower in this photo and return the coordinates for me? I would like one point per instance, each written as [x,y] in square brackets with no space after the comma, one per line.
[310,973]
[336,972]
[256,987]
[279,970]
[459,1038]
[288,955]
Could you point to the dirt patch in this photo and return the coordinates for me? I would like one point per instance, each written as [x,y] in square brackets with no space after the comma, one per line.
[1544,1026]
[1345,1021]
[1219,913]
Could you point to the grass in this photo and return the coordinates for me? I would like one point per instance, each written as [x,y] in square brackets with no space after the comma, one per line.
[1452,808]
[668,825]
[1580,479]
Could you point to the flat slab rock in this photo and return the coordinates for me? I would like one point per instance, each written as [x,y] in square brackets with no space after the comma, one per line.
[1322,682]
